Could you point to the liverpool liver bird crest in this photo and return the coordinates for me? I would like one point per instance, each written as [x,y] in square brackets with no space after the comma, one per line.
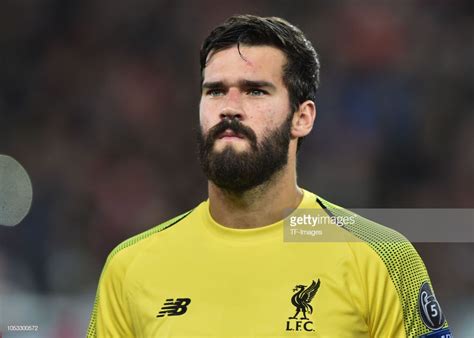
[302,298]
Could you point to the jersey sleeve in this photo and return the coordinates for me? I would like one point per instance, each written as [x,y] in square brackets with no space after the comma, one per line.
[400,298]
[401,302]
[110,316]
[384,310]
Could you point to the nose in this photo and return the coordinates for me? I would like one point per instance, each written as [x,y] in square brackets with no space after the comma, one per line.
[231,114]
[232,108]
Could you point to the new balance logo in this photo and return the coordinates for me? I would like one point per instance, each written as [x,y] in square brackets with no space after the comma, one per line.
[174,308]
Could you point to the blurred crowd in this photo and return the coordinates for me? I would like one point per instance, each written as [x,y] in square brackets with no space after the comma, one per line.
[99,102]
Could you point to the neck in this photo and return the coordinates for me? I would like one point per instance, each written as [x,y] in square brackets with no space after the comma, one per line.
[262,205]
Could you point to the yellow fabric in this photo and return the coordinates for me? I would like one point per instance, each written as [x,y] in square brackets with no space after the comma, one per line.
[240,283]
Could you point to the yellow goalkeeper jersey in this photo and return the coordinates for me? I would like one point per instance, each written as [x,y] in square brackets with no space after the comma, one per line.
[192,277]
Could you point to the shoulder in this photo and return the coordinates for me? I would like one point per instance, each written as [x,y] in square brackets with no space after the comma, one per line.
[396,254]
[126,251]
[394,249]
[361,227]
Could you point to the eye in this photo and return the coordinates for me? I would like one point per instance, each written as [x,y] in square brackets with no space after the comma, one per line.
[215,92]
[256,92]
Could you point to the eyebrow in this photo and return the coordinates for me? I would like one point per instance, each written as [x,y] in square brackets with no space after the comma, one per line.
[240,84]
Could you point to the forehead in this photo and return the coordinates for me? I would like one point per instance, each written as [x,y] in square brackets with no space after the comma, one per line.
[252,63]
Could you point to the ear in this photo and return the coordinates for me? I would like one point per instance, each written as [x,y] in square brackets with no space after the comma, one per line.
[303,119]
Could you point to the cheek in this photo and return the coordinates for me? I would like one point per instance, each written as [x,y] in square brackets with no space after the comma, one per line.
[267,116]
[204,115]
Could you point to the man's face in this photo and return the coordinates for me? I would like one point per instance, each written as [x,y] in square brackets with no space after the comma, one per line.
[245,118]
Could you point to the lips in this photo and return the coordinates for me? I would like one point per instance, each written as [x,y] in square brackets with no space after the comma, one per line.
[230,133]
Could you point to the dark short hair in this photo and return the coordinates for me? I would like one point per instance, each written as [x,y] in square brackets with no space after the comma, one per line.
[300,73]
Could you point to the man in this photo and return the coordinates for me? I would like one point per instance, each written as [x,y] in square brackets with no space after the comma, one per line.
[223,268]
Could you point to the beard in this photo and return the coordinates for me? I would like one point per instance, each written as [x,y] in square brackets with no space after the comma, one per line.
[240,171]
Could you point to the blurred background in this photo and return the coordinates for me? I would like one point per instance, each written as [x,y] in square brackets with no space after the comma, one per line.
[99,102]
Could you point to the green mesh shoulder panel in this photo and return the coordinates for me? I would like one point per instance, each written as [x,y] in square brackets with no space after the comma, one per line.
[91,331]
[405,267]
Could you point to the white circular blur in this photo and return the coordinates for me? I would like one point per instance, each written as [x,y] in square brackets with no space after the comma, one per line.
[16,192]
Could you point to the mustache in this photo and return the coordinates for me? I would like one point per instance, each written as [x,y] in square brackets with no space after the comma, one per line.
[233,124]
